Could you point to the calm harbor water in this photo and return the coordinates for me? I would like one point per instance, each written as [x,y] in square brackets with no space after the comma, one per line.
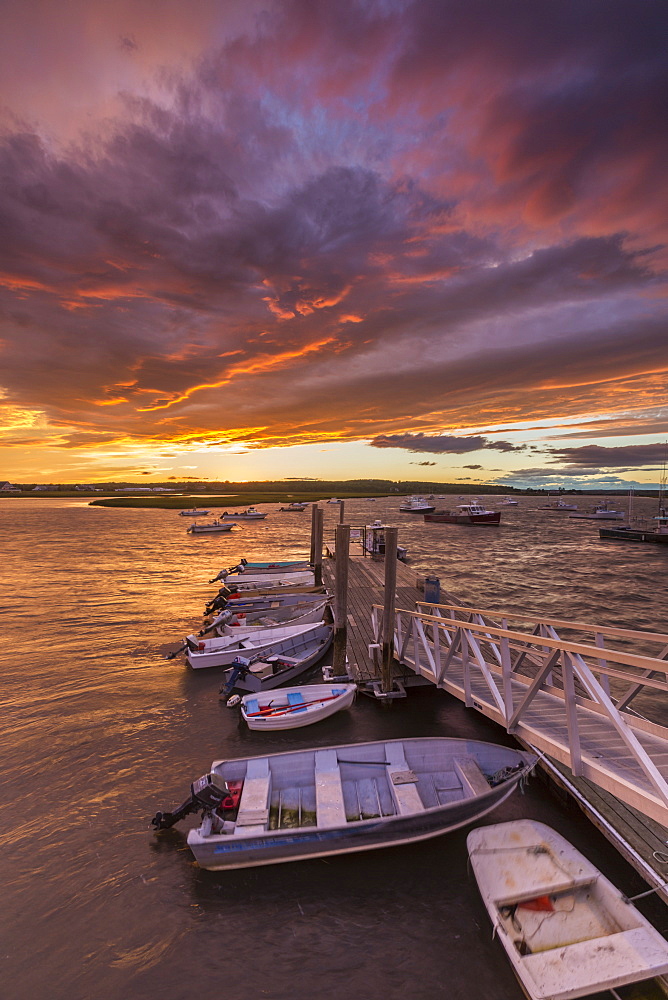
[100,731]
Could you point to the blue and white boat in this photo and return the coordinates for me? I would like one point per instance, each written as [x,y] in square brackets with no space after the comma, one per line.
[303,804]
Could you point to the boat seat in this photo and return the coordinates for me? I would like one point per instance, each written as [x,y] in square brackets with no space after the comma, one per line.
[472,778]
[247,644]
[252,706]
[330,810]
[253,814]
[590,966]
[297,698]
[402,781]
[289,660]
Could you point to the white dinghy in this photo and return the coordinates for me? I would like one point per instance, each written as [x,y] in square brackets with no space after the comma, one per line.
[294,707]
[567,930]
[335,800]
[221,651]
[232,620]
[259,579]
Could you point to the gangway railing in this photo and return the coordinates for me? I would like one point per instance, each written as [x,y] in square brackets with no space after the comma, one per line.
[569,697]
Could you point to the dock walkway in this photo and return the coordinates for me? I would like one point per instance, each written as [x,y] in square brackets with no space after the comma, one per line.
[641,839]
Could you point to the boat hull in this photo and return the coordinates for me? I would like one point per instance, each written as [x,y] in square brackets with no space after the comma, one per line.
[210,529]
[292,660]
[221,651]
[283,710]
[275,845]
[567,930]
[445,517]
[253,581]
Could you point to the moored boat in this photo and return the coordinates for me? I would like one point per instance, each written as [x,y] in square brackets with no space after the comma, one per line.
[601,512]
[194,512]
[211,527]
[566,929]
[250,514]
[220,651]
[294,507]
[416,505]
[233,619]
[465,513]
[283,662]
[559,505]
[295,707]
[255,580]
[311,803]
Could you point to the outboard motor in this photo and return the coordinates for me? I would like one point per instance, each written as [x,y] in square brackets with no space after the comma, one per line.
[224,573]
[240,667]
[210,793]
[219,602]
[224,618]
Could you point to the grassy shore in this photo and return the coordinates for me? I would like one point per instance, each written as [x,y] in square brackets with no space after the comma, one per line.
[230,501]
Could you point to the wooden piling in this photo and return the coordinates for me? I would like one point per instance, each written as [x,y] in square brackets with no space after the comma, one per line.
[317,545]
[314,508]
[342,507]
[388,607]
[341,600]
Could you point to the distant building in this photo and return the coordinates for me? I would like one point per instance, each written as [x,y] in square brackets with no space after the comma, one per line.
[9,488]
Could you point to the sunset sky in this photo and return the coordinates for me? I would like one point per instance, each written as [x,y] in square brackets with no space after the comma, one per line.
[334,239]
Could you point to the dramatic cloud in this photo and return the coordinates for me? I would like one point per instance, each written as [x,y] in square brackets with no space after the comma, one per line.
[598,457]
[412,223]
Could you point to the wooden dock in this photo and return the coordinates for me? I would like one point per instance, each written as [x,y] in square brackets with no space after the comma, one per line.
[641,840]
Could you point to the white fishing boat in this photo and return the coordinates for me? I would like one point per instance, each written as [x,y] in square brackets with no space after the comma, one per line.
[357,797]
[211,527]
[265,567]
[232,619]
[250,514]
[295,707]
[567,930]
[601,512]
[509,503]
[220,651]
[194,512]
[465,513]
[416,505]
[293,508]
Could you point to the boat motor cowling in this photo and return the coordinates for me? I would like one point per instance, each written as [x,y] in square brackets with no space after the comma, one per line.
[208,793]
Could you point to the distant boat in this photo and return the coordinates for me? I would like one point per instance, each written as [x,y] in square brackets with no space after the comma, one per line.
[250,514]
[334,500]
[294,507]
[212,526]
[416,505]
[303,804]
[220,651]
[559,505]
[566,929]
[295,707]
[466,513]
[509,503]
[193,512]
[601,512]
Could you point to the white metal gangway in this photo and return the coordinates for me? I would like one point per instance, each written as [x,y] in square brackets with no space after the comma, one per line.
[569,697]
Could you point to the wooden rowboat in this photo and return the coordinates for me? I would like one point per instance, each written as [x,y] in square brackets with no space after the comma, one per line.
[294,707]
[311,803]
[221,651]
[567,930]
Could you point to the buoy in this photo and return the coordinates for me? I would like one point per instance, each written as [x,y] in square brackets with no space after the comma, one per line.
[233,701]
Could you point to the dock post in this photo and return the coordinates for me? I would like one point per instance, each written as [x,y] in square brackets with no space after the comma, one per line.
[341,600]
[314,508]
[388,607]
[342,507]
[317,543]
